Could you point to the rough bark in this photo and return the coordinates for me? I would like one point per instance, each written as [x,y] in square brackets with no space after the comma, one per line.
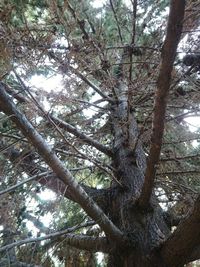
[146,229]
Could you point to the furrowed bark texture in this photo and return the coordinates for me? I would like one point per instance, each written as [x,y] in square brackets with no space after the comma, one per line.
[145,229]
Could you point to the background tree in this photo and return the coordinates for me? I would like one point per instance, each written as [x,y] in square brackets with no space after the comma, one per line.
[111,140]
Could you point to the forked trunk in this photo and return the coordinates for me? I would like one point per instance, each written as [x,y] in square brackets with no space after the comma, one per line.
[145,228]
[146,231]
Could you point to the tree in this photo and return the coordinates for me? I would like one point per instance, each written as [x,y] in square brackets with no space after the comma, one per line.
[113,144]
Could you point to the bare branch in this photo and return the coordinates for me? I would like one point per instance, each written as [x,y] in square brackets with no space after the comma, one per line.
[117,22]
[91,84]
[187,139]
[94,161]
[177,185]
[179,158]
[179,172]
[81,76]
[71,129]
[6,262]
[134,4]
[17,95]
[34,177]
[90,207]
[174,28]
[79,241]
[81,23]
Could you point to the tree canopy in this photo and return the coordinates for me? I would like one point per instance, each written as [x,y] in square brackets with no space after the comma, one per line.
[98,150]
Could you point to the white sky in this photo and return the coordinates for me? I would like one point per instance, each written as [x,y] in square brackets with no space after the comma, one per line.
[53,83]
[193,123]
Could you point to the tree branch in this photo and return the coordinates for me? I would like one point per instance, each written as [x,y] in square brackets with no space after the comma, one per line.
[173,35]
[91,84]
[117,22]
[182,243]
[90,207]
[79,241]
[81,23]
[6,262]
[100,196]
[80,75]
[71,129]
[179,158]
[179,172]
[34,177]
[16,94]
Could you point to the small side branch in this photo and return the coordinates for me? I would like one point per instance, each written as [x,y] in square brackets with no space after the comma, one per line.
[117,22]
[71,129]
[134,4]
[174,29]
[5,262]
[81,23]
[34,177]
[180,158]
[91,84]
[84,242]
[79,75]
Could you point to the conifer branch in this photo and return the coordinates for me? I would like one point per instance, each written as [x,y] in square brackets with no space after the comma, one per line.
[85,242]
[174,29]
[71,129]
[90,207]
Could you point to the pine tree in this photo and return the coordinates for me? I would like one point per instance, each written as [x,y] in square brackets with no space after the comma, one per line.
[111,140]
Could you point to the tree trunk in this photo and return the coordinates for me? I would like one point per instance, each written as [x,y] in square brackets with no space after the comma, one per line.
[145,228]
